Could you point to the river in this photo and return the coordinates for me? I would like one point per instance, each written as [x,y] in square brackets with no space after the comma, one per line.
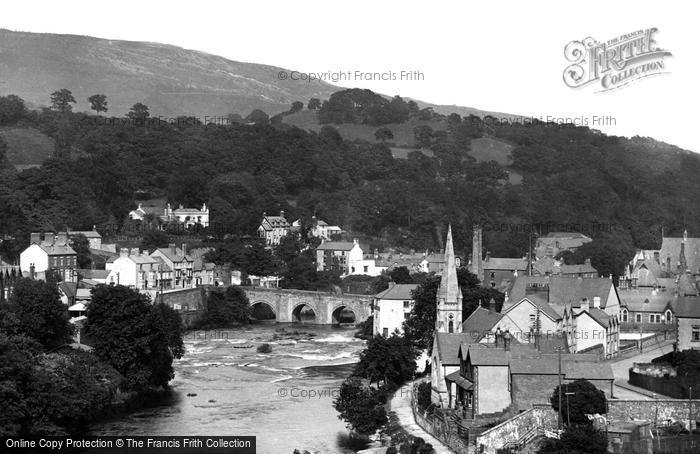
[285,398]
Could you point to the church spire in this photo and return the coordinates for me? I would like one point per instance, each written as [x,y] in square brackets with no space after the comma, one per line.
[449,295]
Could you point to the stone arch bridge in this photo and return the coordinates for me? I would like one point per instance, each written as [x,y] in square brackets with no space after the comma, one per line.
[287,304]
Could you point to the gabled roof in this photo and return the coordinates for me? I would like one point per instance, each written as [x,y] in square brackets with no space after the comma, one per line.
[397,292]
[598,315]
[505,264]
[176,257]
[538,303]
[480,321]
[495,355]
[336,246]
[57,249]
[560,292]
[646,299]
[585,268]
[68,288]
[687,307]
[447,346]
[86,233]
[275,222]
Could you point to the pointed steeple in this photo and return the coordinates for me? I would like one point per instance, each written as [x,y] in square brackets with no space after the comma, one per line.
[449,289]
[449,295]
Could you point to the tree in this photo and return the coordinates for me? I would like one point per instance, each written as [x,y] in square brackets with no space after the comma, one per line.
[11,109]
[420,324]
[297,106]
[383,134]
[134,336]
[138,112]
[423,135]
[81,245]
[314,104]
[260,261]
[258,117]
[389,360]
[153,239]
[39,313]
[577,439]
[584,398]
[224,308]
[401,275]
[98,103]
[360,406]
[61,100]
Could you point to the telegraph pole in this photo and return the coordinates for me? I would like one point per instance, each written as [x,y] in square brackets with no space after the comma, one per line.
[559,389]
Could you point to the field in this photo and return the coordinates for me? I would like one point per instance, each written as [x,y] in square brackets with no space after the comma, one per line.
[26,147]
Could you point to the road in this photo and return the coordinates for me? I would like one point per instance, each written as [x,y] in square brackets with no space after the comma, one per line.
[621,371]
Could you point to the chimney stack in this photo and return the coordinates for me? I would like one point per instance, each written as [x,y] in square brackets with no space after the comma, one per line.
[492,305]
[123,252]
[281,213]
[585,306]
[62,238]
[596,302]
[134,251]
[35,238]
[184,249]
[173,248]
[48,237]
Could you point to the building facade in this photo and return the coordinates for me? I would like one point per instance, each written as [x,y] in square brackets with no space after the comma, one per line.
[391,307]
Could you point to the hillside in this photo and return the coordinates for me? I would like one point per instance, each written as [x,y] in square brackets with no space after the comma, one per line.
[171,80]
[26,147]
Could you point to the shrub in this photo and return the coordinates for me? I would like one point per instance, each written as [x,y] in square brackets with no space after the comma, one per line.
[264,348]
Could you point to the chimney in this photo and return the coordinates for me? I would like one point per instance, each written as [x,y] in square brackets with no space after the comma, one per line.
[134,251]
[184,249]
[588,261]
[596,302]
[48,237]
[35,238]
[62,238]
[391,284]
[492,305]
[173,248]
[506,340]
[282,213]
[354,241]
[477,265]
[585,306]
[123,252]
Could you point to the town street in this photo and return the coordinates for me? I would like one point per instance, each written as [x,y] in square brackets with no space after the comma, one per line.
[621,371]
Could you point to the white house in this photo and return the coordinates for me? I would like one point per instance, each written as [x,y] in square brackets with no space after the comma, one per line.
[319,228]
[181,264]
[391,307]
[273,228]
[521,319]
[189,217]
[53,252]
[133,268]
[587,327]
[343,256]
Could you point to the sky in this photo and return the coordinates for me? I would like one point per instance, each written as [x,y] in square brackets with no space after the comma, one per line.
[503,56]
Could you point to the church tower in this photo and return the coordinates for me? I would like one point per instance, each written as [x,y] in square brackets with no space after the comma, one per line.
[449,295]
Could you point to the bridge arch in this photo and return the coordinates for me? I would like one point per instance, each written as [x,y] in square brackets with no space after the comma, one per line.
[305,312]
[344,313]
[263,311]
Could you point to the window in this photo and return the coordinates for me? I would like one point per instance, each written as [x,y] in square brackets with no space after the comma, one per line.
[669,316]
[625,314]
[638,318]
[451,327]
[385,332]
[695,335]
[366,268]
[406,304]
[406,315]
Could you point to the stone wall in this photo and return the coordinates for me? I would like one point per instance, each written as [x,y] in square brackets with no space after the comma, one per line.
[515,429]
[660,409]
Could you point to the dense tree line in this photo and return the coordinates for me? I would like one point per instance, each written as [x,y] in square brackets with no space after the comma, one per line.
[619,191]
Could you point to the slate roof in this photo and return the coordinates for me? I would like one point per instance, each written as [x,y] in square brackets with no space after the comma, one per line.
[562,291]
[176,257]
[448,344]
[539,303]
[397,292]
[505,264]
[94,274]
[645,300]
[496,355]
[275,222]
[336,246]
[599,316]
[577,269]
[87,233]
[57,249]
[480,321]
[457,378]
[687,307]
[68,288]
